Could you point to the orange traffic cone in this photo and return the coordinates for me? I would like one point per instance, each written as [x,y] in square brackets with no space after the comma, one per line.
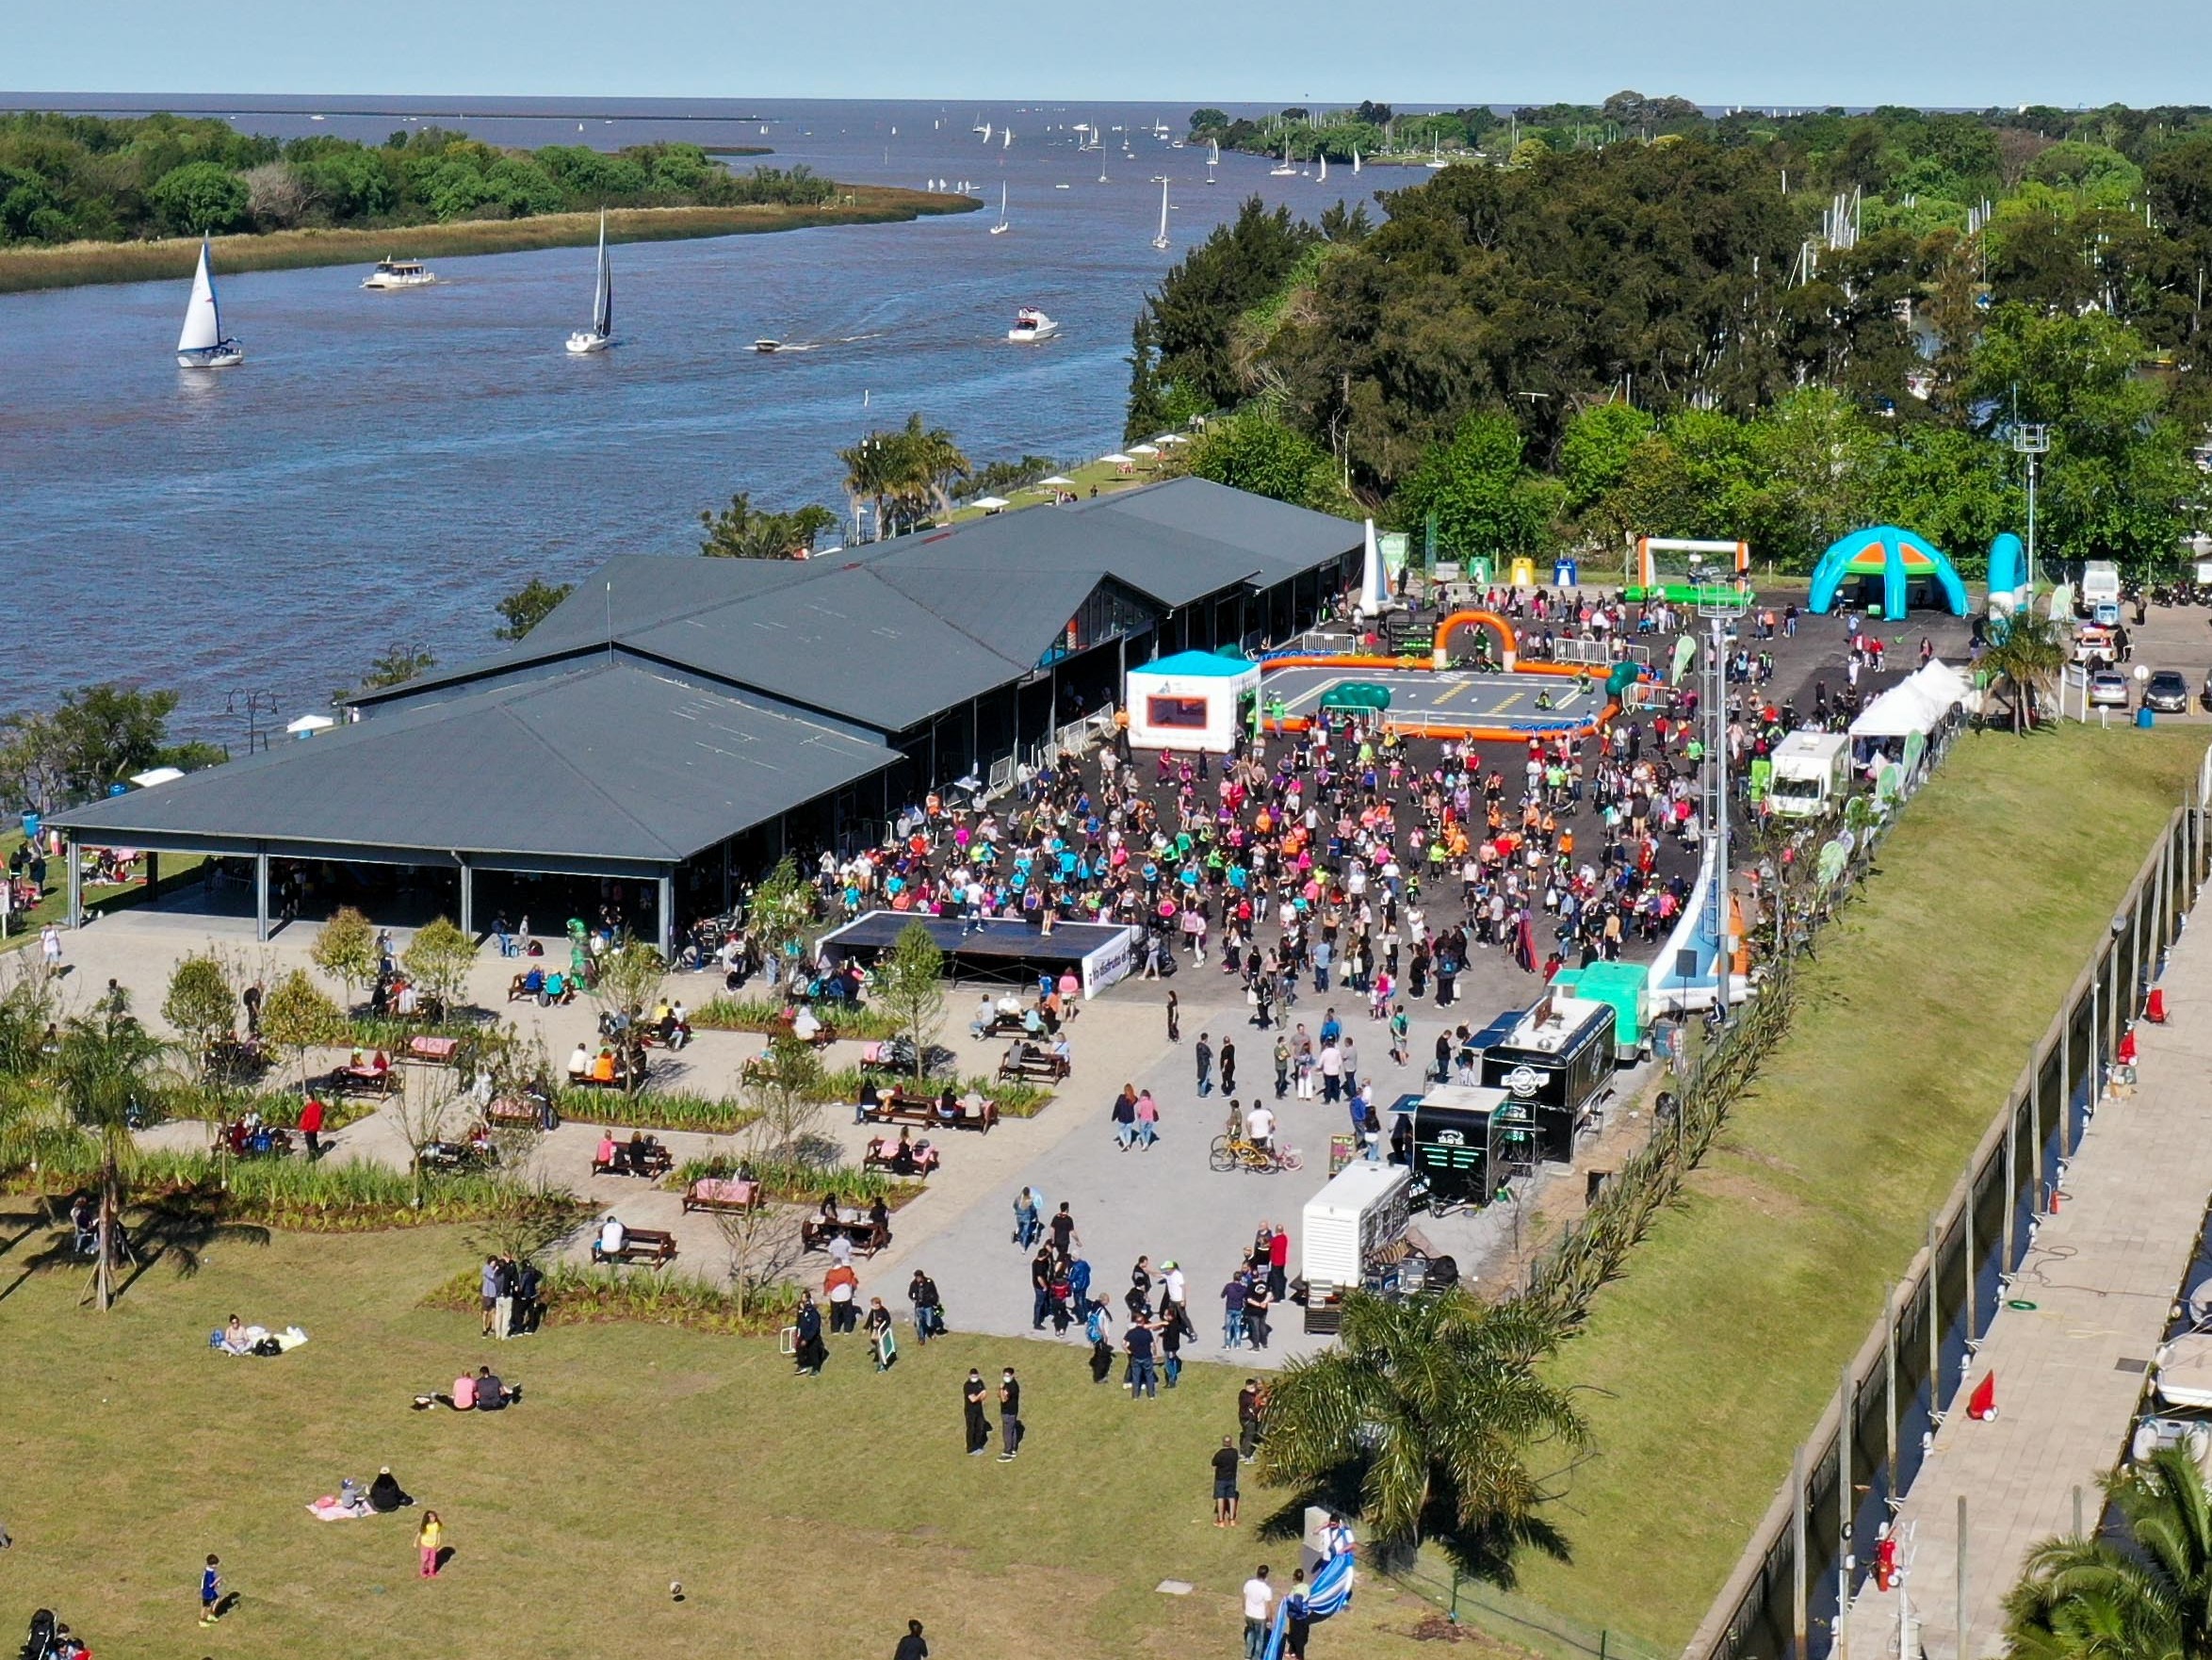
[1982,1405]
[2155,1009]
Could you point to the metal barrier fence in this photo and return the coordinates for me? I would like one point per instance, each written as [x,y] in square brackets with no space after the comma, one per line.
[1516,1618]
[1810,1552]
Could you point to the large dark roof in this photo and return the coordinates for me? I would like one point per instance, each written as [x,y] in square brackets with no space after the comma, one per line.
[889,635]
[609,761]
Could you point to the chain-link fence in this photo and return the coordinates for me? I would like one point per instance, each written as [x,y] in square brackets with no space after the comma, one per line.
[1795,1578]
[1517,1620]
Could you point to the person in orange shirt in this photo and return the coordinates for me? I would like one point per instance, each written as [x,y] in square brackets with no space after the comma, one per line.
[841,1287]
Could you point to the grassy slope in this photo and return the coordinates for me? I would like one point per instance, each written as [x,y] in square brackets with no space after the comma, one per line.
[1716,1354]
[134,262]
[804,1517]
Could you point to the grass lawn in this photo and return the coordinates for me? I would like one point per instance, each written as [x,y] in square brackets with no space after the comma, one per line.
[1091,475]
[1713,1358]
[805,1518]
[22,926]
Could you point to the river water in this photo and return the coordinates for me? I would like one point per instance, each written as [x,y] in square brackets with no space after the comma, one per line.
[386,465]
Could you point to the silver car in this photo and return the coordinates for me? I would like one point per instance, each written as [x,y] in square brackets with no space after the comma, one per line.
[2108,690]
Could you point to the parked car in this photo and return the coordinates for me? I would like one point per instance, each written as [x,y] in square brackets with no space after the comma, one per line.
[2168,691]
[2108,690]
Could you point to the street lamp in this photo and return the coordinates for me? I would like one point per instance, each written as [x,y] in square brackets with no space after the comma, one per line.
[2031,442]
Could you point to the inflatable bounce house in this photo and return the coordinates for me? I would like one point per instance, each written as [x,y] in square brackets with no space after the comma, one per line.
[1899,558]
[2009,589]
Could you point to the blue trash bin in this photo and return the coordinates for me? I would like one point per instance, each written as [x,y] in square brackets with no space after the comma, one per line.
[1566,573]
[2144,718]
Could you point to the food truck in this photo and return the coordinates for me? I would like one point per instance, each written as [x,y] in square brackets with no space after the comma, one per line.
[1558,1059]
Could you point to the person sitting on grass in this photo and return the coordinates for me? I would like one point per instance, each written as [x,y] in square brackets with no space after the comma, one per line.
[490,1394]
[387,1495]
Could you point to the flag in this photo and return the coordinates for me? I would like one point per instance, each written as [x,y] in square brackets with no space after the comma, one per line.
[1329,1594]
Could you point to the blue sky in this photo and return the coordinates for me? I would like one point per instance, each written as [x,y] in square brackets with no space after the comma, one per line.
[1422,52]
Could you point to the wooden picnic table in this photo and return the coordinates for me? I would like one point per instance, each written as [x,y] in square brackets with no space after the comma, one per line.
[868,1238]
[434,1051]
[922,1111]
[723,1192]
[649,1245]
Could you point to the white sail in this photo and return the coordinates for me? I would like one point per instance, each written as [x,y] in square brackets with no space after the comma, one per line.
[1214,159]
[603,289]
[1354,163]
[203,317]
[1324,178]
[1161,240]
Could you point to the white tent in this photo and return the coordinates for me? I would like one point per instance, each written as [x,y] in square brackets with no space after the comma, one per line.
[1944,683]
[308,726]
[1903,709]
[147,780]
[1375,586]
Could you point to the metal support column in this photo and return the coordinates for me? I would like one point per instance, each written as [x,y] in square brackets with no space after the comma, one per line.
[2111,1001]
[2035,1129]
[1935,1329]
[2011,1183]
[467,899]
[664,890]
[76,884]
[153,874]
[2066,1088]
[1797,1563]
[1889,1371]
[1966,1227]
[261,896]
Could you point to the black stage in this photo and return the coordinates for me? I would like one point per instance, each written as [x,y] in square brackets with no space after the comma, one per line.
[1000,950]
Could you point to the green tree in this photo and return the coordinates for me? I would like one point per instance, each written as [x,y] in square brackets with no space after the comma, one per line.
[1595,454]
[1483,499]
[345,949]
[396,666]
[909,988]
[778,912]
[200,198]
[1814,451]
[739,531]
[438,959]
[626,977]
[1254,450]
[1147,401]
[785,1086]
[528,606]
[2149,1598]
[297,1016]
[2025,656]
[202,1004]
[1208,120]
[105,1075]
[1432,1403]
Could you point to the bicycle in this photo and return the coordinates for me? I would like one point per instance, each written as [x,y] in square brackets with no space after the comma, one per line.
[1237,1153]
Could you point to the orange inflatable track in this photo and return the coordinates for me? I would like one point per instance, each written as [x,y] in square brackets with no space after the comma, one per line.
[1480,734]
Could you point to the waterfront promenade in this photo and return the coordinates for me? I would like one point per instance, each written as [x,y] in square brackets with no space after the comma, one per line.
[2102,1277]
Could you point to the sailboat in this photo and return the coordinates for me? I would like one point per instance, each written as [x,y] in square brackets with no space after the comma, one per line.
[202,345]
[1355,162]
[1002,227]
[1286,171]
[1102,164]
[1435,153]
[1324,178]
[1213,160]
[986,132]
[1161,240]
[600,335]
[1008,136]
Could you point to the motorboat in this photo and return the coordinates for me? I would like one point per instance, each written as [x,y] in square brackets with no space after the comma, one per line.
[1031,326]
[202,345]
[399,273]
[600,335]
[2183,1375]
[765,347]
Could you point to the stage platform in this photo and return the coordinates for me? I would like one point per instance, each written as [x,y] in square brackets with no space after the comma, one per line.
[999,951]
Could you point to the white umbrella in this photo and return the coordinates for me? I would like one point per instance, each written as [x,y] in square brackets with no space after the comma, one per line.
[306,725]
[1142,449]
[991,504]
[1171,438]
[1056,479]
[1116,461]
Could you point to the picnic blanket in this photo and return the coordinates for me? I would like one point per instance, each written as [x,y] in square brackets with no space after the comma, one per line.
[327,1508]
[254,1338]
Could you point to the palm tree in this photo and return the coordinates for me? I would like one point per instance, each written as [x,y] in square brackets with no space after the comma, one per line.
[104,1077]
[1431,1402]
[870,473]
[2025,653]
[2150,1599]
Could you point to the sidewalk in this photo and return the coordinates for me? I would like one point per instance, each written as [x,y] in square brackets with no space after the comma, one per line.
[2103,1275]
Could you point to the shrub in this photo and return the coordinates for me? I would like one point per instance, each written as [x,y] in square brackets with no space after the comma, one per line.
[794,1182]
[652,1108]
[592,1296]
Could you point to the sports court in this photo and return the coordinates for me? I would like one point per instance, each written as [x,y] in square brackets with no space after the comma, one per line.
[1446,701]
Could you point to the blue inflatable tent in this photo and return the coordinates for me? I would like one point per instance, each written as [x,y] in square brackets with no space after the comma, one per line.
[1897,557]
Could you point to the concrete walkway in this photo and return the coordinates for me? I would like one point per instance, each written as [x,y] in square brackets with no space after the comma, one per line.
[2102,1276]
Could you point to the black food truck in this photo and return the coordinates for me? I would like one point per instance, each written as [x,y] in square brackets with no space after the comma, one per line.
[1557,1058]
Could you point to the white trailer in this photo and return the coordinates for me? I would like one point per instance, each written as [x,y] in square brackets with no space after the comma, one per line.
[1812,775]
[1363,1209]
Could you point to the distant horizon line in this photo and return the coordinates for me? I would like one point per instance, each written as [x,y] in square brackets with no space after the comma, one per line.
[124,102]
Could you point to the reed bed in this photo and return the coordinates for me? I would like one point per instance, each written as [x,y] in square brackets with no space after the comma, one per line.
[171,259]
[723,1014]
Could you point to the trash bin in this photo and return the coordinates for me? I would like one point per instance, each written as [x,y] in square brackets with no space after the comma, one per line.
[2144,718]
[1566,573]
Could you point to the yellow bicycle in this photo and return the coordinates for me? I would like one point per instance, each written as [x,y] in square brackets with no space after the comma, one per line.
[1238,1152]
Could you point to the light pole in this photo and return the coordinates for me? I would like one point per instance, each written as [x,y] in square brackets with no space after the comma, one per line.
[2031,442]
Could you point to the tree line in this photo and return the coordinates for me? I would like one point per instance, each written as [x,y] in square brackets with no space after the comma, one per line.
[70,177]
[1661,338]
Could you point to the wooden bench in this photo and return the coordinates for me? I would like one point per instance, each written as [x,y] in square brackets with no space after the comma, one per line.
[434,1051]
[881,1153]
[1026,1061]
[521,1111]
[370,1081]
[867,1237]
[621,1080]
[922,1111]
[656,1159]
[722,1193]
[640,1245]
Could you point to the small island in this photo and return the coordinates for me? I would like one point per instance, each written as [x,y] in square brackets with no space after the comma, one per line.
[89,200]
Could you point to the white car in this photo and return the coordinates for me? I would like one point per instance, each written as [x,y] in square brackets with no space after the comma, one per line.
[2108,690]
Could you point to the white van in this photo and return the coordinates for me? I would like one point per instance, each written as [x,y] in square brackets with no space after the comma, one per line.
[2099,586]
[1812,775]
